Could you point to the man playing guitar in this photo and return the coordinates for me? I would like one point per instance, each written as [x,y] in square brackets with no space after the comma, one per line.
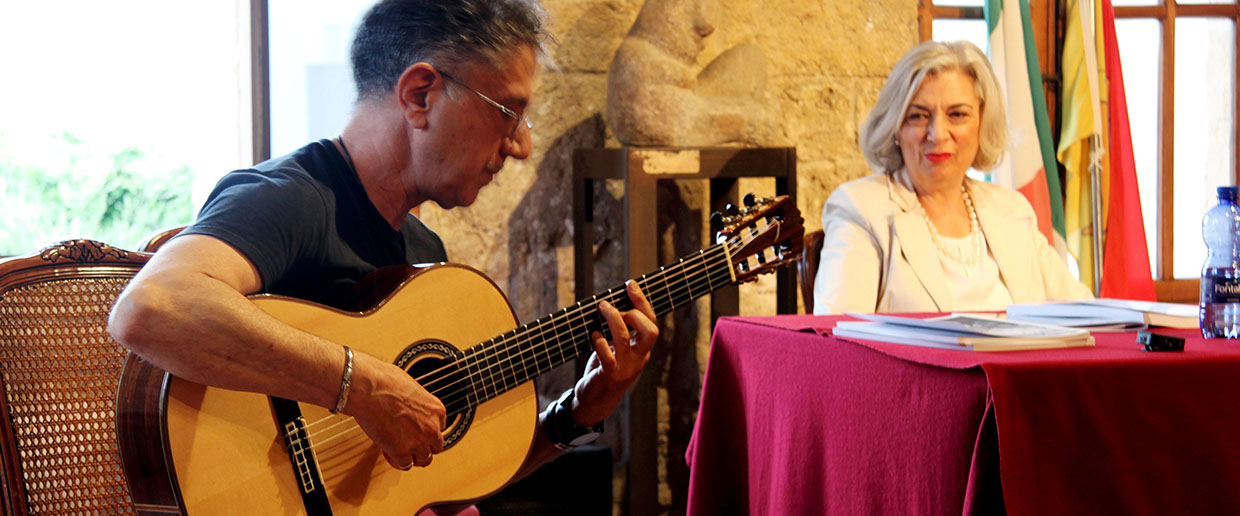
[442,88]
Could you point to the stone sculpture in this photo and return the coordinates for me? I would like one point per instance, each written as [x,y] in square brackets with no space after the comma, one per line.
[656,97]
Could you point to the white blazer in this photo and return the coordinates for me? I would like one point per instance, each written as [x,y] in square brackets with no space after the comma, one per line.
[878,255]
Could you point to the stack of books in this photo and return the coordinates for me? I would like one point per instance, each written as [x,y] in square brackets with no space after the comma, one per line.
[1108,314]
[966,332]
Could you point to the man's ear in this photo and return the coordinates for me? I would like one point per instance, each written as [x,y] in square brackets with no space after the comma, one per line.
[414,92]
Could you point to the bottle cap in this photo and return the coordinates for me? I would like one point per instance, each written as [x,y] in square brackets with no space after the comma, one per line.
[1228,192]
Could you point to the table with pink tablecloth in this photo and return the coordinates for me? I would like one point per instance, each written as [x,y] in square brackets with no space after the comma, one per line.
[796,421]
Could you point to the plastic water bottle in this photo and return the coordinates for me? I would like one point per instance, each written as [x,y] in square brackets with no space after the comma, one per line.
[1220,276]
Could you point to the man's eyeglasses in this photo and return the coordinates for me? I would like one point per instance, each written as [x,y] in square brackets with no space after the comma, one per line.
[520,119]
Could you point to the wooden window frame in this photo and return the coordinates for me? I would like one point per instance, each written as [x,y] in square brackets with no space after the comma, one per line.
[260,81]
[1169,288]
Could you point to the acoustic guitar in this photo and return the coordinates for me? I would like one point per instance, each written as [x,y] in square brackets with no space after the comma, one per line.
[196,450]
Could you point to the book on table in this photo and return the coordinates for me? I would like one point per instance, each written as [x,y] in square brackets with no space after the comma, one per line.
[1107,314]
[963,332]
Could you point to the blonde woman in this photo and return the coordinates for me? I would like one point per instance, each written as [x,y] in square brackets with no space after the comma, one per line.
[919,235]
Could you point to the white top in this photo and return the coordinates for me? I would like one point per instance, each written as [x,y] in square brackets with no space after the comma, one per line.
[878,254]
[975,287]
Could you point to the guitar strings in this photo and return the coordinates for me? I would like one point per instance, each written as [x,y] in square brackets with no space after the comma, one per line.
[733,243]
[590,312]
[585,314]
[451,400]
[576,329]
[564,320]
[556,322]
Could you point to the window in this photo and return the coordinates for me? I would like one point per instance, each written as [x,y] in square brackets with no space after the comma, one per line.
[309,69]
[1179,62]
[118,117]
[947,20]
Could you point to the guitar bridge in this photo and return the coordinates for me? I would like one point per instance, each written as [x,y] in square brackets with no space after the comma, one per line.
[301,456]
[296,440]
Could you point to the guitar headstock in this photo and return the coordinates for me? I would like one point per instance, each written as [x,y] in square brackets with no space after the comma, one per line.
[760,237]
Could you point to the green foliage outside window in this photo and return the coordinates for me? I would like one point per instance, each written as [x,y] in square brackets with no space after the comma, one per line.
[74,190]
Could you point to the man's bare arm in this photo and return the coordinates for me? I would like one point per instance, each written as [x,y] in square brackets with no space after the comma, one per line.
[186,312]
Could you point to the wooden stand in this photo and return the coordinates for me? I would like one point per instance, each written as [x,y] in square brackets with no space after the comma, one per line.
[641,168]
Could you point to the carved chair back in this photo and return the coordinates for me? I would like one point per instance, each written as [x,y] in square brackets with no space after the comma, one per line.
[60,370]
[155,240]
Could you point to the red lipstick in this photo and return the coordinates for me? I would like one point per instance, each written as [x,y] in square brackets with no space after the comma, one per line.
[938,156]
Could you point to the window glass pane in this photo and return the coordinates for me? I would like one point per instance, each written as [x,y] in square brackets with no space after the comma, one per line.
[959,3]
[113,112]
[1140,50]
[973,31]
[1186,2]
[1205,128]
[1118,3]
[312,90]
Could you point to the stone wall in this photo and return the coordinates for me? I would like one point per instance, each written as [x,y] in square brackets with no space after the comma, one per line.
[827,60]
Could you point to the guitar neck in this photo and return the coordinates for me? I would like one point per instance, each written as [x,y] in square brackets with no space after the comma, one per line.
[511,359]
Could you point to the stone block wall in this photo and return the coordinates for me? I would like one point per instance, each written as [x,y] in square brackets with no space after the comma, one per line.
[827,59]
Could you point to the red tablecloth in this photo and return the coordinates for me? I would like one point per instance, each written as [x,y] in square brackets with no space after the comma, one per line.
[794,421]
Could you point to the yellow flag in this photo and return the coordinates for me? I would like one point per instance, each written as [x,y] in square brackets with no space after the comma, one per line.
[1081,148]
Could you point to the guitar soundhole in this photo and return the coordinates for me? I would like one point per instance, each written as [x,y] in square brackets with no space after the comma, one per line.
[434,365]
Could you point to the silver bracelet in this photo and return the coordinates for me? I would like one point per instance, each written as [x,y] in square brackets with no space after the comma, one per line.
[345,380]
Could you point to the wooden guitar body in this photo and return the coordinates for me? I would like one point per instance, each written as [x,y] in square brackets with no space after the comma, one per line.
[223,452]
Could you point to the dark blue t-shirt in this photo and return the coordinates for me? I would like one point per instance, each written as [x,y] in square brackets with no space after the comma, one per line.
[306,224]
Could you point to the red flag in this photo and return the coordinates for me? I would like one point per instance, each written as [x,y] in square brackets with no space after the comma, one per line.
[1126,259]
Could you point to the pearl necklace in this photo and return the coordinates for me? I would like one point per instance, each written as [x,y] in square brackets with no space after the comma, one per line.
[975,234]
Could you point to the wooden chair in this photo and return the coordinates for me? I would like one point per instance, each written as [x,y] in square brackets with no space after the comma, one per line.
[155,240]
[60,371]
[807,267]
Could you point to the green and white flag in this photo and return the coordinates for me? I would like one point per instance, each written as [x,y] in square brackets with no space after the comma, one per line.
[1014,57]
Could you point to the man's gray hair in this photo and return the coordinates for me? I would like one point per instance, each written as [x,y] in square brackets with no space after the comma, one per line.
[878,133]
[396,34]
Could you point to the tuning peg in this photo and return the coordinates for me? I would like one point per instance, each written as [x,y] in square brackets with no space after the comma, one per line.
[716,222]
[750,199]
[731,210]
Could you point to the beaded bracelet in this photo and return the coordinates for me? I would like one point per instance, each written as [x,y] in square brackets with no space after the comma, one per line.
[345,380]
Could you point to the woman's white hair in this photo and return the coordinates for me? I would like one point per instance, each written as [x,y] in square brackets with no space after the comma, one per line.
[878,133]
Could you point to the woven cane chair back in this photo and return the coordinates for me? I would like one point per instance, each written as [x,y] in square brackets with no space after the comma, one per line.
[60,371]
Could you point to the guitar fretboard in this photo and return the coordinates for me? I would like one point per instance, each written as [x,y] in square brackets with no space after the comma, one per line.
[506,361]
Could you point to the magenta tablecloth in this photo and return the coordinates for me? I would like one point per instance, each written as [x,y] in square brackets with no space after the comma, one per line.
[794,421]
